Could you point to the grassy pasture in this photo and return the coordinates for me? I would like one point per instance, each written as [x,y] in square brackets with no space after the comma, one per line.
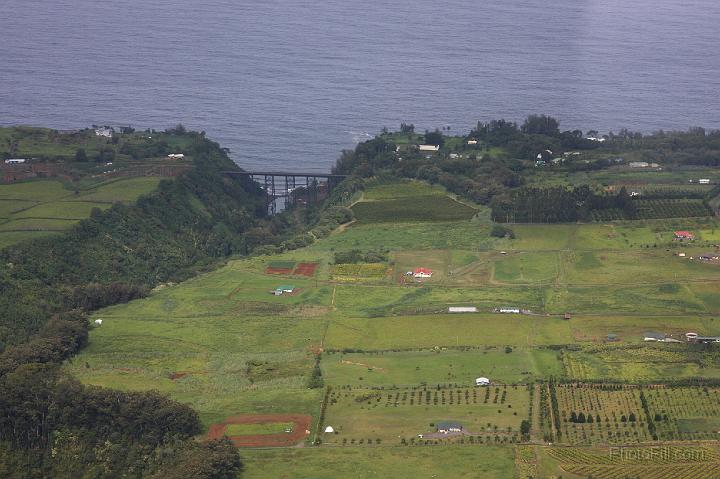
[412,209]
[488,462]
[428,331]
[439,367]
[386,415]
[403,190]
[465,235]
[34,208]
[223,344]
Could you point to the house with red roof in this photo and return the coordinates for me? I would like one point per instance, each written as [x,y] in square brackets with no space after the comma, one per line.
[422,273]
[682,235]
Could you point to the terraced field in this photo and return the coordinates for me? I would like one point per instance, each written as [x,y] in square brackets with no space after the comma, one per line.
[44,207]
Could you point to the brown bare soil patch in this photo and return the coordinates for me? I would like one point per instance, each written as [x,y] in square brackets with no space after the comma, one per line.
[306,269]
[369,366]
[301,430]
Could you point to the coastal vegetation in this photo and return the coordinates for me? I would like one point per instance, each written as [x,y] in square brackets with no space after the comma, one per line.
[187,310]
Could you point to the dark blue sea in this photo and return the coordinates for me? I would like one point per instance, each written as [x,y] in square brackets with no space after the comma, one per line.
[289,83]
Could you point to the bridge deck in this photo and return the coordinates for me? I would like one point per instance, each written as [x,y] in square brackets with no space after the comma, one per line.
[284,173]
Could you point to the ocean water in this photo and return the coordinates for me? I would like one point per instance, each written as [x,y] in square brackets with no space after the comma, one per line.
[287,84]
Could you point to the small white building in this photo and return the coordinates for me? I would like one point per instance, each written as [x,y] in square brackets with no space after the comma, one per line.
[462,309]
[472,142]
[15,161]
[482,382]
[329,430]
[104,131]
[98,322]
[704,181]
[509,310]
[176,156]
[429,147]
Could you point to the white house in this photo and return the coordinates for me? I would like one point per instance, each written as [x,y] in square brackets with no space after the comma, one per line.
[462,309]
[98,322]
[15,161]
[104,131]
[429,147]
[329,429]
[472,142]
[422,273]
[482,382]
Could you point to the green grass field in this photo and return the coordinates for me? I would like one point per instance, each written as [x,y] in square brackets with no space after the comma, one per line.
[412,208]
[223,344]
[466,462]
[404,413]
[37,208]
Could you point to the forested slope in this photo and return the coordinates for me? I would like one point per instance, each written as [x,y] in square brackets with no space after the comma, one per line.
[51,425]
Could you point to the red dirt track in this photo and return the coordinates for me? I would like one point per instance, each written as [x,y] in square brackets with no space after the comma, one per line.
[306,269]
[301,425]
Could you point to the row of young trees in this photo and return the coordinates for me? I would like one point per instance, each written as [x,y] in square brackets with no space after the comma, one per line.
[558,205]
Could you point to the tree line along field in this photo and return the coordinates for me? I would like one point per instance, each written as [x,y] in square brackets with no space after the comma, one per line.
[393,362]
[37,208]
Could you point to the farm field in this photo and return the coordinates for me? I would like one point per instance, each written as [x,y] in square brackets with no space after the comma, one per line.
[382,416]
[43,207]
[377,355]
[443,367]
[401,462]
[643,462]
[413,208]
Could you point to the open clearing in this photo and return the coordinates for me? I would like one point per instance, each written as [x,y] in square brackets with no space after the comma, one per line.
[395,362]
[43,207]
[292,430]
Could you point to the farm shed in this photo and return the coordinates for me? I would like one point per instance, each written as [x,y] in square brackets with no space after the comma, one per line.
[98,322]
[14,161]
[429,147]
[508,310]
[482,382]
[708,256]
[176,156]
[462,309]
[329,429]
[422,273]
[472,142]
[446,427]
[653,336]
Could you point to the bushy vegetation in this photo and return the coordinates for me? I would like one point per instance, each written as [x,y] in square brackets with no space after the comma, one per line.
[112,257]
